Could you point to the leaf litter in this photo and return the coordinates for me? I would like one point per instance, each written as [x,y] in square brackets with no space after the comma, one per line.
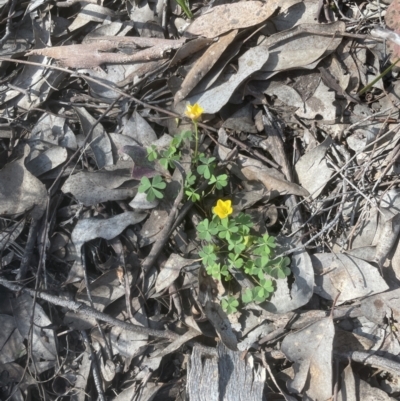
[117,277]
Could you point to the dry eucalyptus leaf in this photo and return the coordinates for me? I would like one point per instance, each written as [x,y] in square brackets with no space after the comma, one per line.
[10,234]
[290,297]
[98,140]
[43,339]
[47,160]
[223,18]
[88,229]
[214,98]
[380,307]
[188,49]
[204,64]
[301,46]
[89,13]
[139,129]
[389,225]
[249,169]
[36,82]
[293,13]
[99,51]
[11,341]
[91,188]
[312,359]
[171,271]
[312,169]
[20,191]
[176,344]
[351,277]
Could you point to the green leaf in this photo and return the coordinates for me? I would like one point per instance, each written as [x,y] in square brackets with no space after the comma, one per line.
[207,166]
[226,228]
[207,229]
[244,220]
[220,181]
[185,8]
[279,268]
[247,296]
[152,153]
[236,243]
[208,255]
[229,304]
[158,182]
[192,195]
[235,261]
[152,188]
[190,179]
[145,184]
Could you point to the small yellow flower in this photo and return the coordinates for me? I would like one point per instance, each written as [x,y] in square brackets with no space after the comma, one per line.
[223,208]
[194,112]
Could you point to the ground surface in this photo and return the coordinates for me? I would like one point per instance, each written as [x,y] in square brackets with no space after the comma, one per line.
[199,200]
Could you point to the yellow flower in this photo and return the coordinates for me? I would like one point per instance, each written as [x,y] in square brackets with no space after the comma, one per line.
[194,112]
[223,208]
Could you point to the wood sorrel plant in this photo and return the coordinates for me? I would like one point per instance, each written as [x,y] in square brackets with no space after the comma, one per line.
[205,166]
[229,247]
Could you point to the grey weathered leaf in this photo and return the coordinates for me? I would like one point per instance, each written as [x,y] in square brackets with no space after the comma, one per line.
[20,191]
[43,340]
[204,65]
[171,271]
[90,188]
[287,298]
[214,98]
[312,359]
[98,140]
[312,169]
[223,18]
[351,277]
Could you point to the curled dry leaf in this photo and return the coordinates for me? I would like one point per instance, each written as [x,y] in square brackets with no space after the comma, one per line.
[204,64]
[99,51]
[223,18]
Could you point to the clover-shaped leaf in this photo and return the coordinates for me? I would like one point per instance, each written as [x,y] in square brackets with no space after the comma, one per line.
[207,166]
[220,181]
[227,228]
[229,304]
[208,255]
[152,188]
[207,229]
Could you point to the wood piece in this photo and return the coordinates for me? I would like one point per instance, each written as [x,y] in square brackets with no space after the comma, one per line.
[222,375]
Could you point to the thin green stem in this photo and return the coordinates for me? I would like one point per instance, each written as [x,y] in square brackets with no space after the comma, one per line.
[367,87]
[196,136]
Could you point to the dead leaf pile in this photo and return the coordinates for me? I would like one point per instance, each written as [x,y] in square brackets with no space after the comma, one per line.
[104,290]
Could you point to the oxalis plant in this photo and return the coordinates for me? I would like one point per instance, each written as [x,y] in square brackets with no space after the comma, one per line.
[205,166]
[229,247]
[227,242]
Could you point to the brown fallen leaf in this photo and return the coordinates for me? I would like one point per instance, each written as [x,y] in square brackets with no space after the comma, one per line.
[204,64]
[99,51]
[221,19]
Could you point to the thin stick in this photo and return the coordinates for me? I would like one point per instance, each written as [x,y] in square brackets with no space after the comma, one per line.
[80,307]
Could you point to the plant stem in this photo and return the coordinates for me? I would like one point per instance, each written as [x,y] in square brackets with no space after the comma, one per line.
[367,87]
[196,136]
